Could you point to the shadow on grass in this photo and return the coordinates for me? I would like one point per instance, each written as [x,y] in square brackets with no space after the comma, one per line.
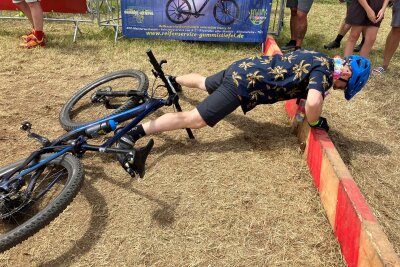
[163,216]
[94,232]
[350,148]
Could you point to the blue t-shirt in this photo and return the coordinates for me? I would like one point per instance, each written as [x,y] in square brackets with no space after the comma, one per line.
[268,79]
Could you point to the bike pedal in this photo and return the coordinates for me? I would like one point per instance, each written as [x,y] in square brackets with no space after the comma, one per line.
[26,126]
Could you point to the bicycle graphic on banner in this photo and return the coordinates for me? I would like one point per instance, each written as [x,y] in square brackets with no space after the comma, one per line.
[225,12]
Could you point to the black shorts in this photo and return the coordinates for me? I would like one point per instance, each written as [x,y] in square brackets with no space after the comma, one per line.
[356,14]
[223,98]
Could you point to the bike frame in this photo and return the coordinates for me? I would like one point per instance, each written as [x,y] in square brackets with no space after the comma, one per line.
[78,137]
[197,12]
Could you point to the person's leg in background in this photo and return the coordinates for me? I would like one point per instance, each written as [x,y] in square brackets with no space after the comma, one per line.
[301,28]
[298,22]
[370,36]
[392,40]
[303,8]
[292,4]
[358,47]
[23,6]
[344,28]
[33,11]
[352,39]
[392,43]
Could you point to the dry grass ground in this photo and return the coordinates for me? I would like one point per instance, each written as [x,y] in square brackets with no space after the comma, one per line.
[238,195]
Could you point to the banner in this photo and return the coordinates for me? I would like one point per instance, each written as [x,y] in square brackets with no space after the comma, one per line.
[198,20]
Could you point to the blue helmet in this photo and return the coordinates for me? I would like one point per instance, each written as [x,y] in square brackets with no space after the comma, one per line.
[360,68]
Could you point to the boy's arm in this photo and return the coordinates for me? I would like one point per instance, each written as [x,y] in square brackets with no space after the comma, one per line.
[313,105]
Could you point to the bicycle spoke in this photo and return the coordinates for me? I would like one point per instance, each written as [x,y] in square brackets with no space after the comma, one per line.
[226,12]
[44,192]
[88,109]
[178,11]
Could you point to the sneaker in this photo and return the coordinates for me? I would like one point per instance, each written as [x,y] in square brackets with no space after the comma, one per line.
[177,86]
[27,36]
[378,71]
[134,160]
[332,45]
[140,158]
[32,42]
[358,47]
[289,46]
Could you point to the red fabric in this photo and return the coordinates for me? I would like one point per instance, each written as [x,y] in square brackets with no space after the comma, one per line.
[69,6]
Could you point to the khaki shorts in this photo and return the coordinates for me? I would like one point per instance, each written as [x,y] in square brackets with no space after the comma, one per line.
[396,13]
[28,1]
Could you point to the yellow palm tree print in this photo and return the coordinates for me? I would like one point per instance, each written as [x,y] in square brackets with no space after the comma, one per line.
[294,92]
[253,78]
[309,51]
[279,72]
[299,69]
[325,82]
[324,61]
[255,95]
[288,58]
[254,57]
[245,65]
[266,61]
[312,81]
[236,77]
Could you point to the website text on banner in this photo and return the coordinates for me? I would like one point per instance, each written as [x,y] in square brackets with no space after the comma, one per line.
[197,20]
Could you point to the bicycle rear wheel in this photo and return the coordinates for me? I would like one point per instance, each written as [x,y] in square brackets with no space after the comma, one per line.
[226,12]
[174,11]
[85,106]
[21,216]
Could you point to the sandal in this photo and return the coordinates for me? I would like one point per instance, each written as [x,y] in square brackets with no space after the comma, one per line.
[378,71]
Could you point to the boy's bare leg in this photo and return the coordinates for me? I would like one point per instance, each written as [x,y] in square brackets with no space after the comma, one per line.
[173,121]
[192,80]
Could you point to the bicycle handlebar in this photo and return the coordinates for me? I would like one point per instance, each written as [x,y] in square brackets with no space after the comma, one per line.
[158,72]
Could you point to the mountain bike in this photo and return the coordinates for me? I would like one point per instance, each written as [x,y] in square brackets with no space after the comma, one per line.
[35,190]
[179,11]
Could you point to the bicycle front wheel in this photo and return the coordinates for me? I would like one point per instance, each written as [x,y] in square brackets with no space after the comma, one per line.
[106,96]
[175,11]
[23,214]
[226,12]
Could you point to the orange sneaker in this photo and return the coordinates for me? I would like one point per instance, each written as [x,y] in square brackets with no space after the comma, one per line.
[32,42]
[27,36]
